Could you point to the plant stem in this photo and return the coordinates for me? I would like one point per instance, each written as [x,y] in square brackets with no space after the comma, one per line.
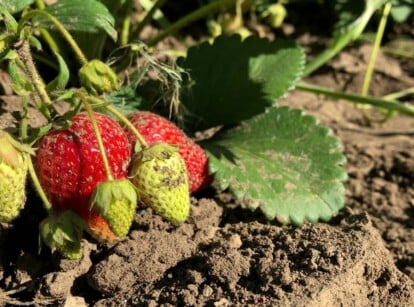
[122,118]
[40,4]
[343,38]
[46,35]
[126,23]
[60,27]
[375,49]
[200,13]
[25,119]
[400,94]
[33,175]
[98,137]
[158,16]
[31,71]
[388,104]
[128,124]
[147,18]
[38,187]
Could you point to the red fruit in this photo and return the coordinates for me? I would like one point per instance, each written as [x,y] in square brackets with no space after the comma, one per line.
[156,129]
[69,166]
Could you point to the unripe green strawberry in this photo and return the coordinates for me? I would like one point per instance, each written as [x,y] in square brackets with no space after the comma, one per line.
[13,173]
[160,176]
[116,202]
[97,77]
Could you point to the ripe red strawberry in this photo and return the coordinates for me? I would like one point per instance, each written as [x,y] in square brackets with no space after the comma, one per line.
[157,129]
[69,166]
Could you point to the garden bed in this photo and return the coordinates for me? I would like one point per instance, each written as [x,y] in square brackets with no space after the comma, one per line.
[226,255]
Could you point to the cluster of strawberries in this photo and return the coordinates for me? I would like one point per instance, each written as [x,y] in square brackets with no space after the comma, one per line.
[160,174]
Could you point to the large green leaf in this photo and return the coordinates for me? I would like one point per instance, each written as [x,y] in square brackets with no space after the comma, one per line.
[14,6]
[232,80]
[82,15]
[283,162]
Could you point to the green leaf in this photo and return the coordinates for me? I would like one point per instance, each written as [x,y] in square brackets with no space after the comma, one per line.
[233,80]
[283,162]
[20,84]
[401,10]
[59,83]
[81,15]
[14,6]
[8,20]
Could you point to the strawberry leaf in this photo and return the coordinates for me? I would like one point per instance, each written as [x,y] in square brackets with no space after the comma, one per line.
[61,80]
[14,6]
[232,80]
[81,15]
[283,162]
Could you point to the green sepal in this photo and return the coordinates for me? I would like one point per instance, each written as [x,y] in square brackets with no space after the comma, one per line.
[62,79]
[34,42]
[63,232]
[9,21]
[108,191]
[160,151]
[138,147]
[116,202]
[10,149]
[5,52]
[97,77]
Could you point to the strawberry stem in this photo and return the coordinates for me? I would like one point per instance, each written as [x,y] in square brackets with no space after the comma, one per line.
[25,119]
[46,35]
[122,118]
[38,187]
[33,175]
[31,71]
[95,127]
[129,125]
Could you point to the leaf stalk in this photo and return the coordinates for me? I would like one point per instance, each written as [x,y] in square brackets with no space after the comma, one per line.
[389,104]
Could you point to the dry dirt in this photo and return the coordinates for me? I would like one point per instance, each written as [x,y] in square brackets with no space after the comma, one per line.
[225,255]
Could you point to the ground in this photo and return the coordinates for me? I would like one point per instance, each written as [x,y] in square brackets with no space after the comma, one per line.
[226,255]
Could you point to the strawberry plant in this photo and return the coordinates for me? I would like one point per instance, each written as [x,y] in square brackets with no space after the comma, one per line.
[92,170]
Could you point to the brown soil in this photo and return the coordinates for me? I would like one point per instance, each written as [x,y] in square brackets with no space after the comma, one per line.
[225,255]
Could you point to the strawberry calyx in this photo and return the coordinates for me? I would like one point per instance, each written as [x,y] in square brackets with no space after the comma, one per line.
[161,151]
[62,231]
[10,150]
[97,77]
[116,201]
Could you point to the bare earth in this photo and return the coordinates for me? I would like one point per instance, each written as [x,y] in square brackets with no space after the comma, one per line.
[225,255]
